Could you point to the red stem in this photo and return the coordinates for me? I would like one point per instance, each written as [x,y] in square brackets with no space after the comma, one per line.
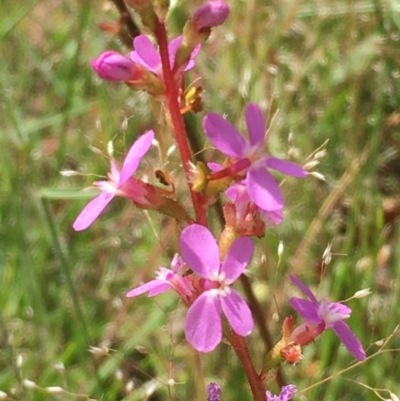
[239,345]
[172,94]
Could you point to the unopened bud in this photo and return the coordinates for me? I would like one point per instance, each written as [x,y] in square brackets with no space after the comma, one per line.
[110,148]
[327,256]
[393,397]
[29,383]
[280,249]
[328,259]
[310,165]
[171,382]
[113,66]
[141,349]
[319,155]
[379,343]
[210,14]
[129,386]
[19,361]
[119,375]
[362,293]
[327,251]
[99,351]
[55,389]
[68,173]
[318,175]
[3,395]
[59,367]
[171,150]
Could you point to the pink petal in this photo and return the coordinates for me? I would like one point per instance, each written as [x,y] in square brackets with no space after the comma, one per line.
[237,258]
[306,291]
[263,190]
[173,47]
[92,210]
[145,53]
[200,251]
[160,289]
[214,167]
[134,156]
[306,309]
[274,217]
[191,62]
[237,312]
[286,167]
[203,325]
[350,341]
[154,286]
[255,124]
[223,135]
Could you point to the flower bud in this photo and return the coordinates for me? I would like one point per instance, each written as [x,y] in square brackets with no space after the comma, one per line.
[198,28]
[29,383]
[113,66]
[362,293]
[55,389]
[210,14]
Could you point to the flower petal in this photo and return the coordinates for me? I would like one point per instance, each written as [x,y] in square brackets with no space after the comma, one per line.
[191,62]
[306,309]
[263,190]
[203,325]
[200,251]
[274,217]
[145,53]
[237,258]
[223,135]
[350,341]
[134,156]
[154,286]
[306,291]
[173,47]
[237,312]
[286,167]
[92,210]
[255,124]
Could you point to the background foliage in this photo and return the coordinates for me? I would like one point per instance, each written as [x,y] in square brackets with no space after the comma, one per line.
[331,71]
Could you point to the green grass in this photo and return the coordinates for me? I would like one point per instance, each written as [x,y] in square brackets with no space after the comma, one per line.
[332,71]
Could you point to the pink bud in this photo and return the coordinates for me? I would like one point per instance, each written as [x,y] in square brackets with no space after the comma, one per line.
[113,66]
[210,14]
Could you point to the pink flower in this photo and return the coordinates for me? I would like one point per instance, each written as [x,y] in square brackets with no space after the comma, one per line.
[165,280]
[251,157]
[146,54]
[245,206]
[113,66]
[203,324]
[120,183]
[210,14]
[286,394]
[322,315]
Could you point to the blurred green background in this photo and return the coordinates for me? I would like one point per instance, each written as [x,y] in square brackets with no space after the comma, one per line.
[326,70]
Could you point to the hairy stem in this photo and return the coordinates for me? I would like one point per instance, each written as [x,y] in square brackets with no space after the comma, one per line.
[242,351]
[172,94]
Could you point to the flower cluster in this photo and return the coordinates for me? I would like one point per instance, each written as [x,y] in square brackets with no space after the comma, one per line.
[204,270]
